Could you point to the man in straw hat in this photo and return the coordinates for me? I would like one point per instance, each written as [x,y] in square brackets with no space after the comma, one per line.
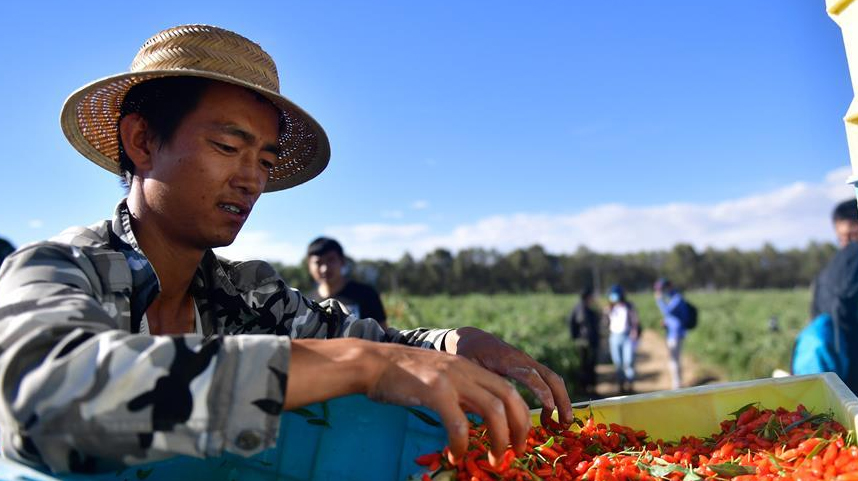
[130,341]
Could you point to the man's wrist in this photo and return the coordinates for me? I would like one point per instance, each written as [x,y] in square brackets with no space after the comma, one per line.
[368,364]
[324,369]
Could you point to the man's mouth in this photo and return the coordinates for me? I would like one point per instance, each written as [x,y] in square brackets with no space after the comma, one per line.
[233,209]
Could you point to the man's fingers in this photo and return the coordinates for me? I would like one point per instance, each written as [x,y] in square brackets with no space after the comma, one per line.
[494,415]
[532,378]
[516,412]
[454,420]
[501,358]
[549,388]
[560,395]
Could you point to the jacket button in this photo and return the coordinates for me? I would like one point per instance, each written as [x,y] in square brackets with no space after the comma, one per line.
[247,440]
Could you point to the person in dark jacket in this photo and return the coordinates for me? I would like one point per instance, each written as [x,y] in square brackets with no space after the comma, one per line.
[584,328]
[844,219]
[830,342]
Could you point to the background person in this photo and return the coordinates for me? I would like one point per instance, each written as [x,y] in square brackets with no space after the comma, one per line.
[829,343]
[624,327]
[844,219]
[584,326]
[672,306]
[326,262]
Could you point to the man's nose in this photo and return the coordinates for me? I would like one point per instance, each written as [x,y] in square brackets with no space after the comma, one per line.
[249,177]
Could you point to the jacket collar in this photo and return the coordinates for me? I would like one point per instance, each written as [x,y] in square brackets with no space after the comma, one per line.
[210,276]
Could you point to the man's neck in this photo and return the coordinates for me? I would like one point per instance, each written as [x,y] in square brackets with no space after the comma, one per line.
[174,263]
[330,289]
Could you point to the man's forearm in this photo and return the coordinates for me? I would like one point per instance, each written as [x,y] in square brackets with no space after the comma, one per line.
[323,369]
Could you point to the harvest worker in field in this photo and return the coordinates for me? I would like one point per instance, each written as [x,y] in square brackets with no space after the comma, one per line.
[585,329]
[625,328]
[130,341]
[672,306]
[326,262]
[844,218]
[829,343]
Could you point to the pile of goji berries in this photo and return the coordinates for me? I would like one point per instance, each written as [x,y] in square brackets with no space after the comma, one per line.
[756,444]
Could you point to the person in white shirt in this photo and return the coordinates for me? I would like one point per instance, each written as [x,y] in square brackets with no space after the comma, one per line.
[624,327]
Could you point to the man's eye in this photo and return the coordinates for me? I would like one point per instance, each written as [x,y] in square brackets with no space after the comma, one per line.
[225,148]
[267,164]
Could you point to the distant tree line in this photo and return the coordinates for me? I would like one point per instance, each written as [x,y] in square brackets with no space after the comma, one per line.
[532,269]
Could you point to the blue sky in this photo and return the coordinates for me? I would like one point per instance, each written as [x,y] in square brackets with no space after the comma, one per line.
[623,126]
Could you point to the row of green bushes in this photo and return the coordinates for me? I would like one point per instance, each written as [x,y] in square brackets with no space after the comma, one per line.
[741,334]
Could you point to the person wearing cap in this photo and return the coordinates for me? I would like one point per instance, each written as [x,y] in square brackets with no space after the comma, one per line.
[624,327]
[130,341]
[672,306]
[326,263]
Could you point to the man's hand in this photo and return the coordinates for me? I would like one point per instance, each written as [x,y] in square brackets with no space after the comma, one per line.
[499,357]
[410,376]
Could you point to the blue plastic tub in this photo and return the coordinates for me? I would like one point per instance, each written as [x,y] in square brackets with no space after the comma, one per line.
[348,439]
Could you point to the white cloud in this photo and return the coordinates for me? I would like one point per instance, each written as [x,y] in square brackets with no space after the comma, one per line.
[420,205]
[262,245]
[789,216]
[35,223]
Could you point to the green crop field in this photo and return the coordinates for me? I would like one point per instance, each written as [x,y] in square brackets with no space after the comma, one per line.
[733,336]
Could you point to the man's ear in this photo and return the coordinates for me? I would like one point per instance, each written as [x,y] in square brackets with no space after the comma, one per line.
[137,141]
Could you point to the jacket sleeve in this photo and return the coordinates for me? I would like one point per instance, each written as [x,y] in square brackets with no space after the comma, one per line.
[813,351]
[573,322]
[634,323]
[292,314]
[671,308]
[80,394]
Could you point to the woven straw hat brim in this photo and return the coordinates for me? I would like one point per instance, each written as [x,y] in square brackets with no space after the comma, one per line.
[90,117]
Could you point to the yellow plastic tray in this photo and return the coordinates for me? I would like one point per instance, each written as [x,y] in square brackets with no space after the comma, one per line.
[699,410]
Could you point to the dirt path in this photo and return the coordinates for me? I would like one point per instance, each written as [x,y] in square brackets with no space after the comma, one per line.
[651,368]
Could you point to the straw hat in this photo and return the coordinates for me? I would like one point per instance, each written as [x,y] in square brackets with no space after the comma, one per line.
[90,115]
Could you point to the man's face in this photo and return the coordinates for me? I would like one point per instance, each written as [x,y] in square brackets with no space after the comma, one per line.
[327,267]
[846,231]
[202,185]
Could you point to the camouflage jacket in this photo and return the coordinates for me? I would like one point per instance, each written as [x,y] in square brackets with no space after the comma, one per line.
[82,390]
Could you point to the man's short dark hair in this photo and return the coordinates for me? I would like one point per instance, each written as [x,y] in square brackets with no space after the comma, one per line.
[586,292]
[846,210]
[163,103]
[323,245]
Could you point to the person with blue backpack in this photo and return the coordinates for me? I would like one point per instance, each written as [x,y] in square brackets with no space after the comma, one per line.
[674,310]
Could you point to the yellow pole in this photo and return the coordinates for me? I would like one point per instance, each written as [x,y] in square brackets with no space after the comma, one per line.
[846,15]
